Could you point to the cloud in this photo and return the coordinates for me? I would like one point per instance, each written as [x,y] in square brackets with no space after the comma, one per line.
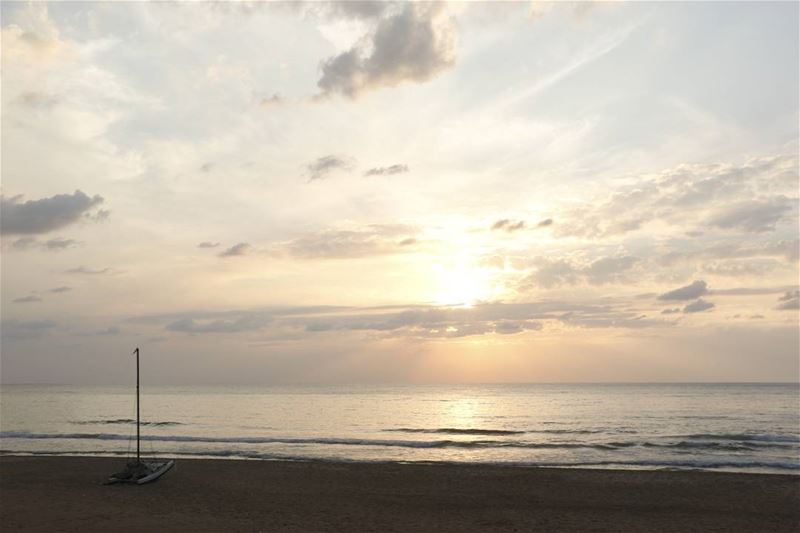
[207,244]
[345,244]
[671,311]
[694,197]
[508,225]
[57,244]
[689,292]
[551,273]
[753,216]
[235,250]
[544,223]
[60,244]
[789,301]
[42,216]
[112,331]
[698,306]
[322,166]
[16,330]
[414,44]
[275,100]
[246,322]
[87,271]
[387,171]
[26,299]
[59,290]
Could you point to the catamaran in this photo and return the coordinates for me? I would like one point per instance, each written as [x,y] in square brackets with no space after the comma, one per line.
[138,471]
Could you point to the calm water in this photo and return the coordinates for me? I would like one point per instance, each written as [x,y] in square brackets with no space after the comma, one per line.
[733,427]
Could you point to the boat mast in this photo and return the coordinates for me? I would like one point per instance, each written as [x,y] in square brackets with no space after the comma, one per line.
[137,405]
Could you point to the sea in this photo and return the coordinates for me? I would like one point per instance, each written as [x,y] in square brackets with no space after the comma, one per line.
[720,427]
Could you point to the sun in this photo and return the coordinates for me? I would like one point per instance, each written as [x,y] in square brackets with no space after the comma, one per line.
[462,285]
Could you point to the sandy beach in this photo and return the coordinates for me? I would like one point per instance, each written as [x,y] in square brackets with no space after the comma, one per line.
[65,494]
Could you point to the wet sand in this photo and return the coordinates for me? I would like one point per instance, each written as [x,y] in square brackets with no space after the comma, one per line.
[65,494]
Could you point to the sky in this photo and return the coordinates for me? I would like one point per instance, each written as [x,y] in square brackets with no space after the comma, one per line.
[359,192]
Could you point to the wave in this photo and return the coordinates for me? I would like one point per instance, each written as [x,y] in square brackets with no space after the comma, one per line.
[750,445]
[457,431]
[122,421]
[319,440]
[692,464]
[747,437]
[508,432]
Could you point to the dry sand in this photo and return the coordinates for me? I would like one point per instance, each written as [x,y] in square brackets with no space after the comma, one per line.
[65,494]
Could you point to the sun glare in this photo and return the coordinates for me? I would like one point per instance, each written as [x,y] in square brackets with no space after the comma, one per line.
[462,285]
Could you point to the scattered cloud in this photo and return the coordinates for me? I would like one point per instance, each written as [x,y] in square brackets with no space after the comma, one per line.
[754,216]
[45,215]
[207,244]
[789,301]
[26,299]
[412,44]
[508,225]
[549,273]
[697,306]
[362,242]
[88,271]
[696,197]
[387,171]
[17,330]
[60,244]
[544,223]
[235,250]
[246,322]
[113,330]
[689,292]
[59,290]
[275,100]
[322,166]
[671,311]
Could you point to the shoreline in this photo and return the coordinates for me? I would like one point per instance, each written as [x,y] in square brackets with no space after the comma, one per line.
[317,460]
[64,493]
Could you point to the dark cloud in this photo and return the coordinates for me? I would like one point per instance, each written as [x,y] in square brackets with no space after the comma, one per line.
[58,290]
[789,301]
[697,306]
[207,244]
[322,166]
[754,216]
[544,223]
[413,44]
[88,271]
[386,171]
[689,292]
[26,299]
[42,216]
[508,225]
[235,250]
[361,9]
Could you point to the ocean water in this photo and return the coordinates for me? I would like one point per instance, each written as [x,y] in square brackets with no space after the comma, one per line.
[730,427]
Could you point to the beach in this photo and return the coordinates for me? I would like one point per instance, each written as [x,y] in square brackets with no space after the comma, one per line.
[66,494]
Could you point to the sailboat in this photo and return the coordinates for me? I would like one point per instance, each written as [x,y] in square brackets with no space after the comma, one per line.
[138,471]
